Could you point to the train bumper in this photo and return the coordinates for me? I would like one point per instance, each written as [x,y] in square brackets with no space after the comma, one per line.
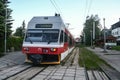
[43,59]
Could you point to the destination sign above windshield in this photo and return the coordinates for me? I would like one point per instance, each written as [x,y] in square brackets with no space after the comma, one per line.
[43,26]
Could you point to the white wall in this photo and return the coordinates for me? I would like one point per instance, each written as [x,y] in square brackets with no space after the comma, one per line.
[116,32]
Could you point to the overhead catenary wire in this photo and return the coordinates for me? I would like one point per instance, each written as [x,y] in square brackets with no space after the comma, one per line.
[86,3]
[56,6]
[87,8]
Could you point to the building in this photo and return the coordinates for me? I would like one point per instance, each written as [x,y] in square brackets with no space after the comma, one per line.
[77,40]
[115,31]
[110,39]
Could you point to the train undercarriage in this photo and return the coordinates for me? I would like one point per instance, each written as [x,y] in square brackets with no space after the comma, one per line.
[43,58]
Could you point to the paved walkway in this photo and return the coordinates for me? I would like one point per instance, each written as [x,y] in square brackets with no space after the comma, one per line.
[112,57]
[11,59]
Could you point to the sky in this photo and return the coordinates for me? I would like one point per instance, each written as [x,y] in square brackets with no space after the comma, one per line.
[73,12]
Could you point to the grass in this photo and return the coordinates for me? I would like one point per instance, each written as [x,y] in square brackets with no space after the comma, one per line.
[79,45]
[89,59]
[116,48]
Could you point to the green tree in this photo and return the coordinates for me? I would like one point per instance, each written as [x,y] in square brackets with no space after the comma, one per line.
[23,28]
[20,31]
[88,28]
[5,17]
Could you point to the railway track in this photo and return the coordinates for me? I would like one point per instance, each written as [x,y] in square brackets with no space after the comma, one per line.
[112,73]
[106,72]
[13,71]
[94,74]
[68,61]
[69,70]
[29,72]
[97,75]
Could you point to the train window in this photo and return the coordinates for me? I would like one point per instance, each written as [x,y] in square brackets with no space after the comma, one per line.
[34,37]
[70,42]
[65,38]
[61,36]
[42,36]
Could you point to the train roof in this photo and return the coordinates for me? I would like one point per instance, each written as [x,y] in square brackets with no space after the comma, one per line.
[46,18]
[56,21]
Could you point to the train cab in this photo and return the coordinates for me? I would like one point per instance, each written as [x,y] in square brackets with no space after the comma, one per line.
[47,40]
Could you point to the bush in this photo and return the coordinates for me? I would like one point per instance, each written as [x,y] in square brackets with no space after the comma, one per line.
[15,42]
[1,45]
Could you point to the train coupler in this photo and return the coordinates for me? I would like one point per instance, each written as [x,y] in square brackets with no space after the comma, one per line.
[35,58]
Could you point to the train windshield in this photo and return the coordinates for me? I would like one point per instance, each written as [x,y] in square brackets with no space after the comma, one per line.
[42,36]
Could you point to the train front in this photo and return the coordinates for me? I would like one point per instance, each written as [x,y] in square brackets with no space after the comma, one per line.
[41,44]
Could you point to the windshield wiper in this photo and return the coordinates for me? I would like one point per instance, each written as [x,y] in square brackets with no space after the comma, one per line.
[49,41]
[30,40]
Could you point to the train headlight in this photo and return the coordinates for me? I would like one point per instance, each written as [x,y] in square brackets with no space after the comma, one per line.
[53,49]
[26,49]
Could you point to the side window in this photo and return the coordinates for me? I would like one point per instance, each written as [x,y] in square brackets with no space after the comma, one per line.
[61,36]
[65,38]
[70,42]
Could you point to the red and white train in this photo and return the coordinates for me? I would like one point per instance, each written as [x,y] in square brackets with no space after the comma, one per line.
[47,40]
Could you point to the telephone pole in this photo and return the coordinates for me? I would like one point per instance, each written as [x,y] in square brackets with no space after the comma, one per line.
[93,34]
[104,36]
[5,24]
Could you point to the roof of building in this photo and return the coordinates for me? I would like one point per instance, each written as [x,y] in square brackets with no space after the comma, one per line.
[116,25]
